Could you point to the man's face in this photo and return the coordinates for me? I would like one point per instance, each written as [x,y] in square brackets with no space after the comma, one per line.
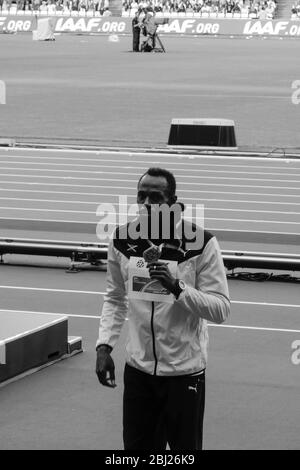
[153,190]
[155,208]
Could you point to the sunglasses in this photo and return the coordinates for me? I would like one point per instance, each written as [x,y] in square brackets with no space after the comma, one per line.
[155,197]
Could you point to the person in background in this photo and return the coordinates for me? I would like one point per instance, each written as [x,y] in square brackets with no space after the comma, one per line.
[107,12]
[149,27]
[136,32]
[262,14]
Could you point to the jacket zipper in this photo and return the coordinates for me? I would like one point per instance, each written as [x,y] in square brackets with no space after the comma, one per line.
[153,339]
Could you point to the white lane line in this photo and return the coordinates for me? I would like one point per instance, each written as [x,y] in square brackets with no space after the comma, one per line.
[207,209]
[134,195]
[124,205]
[87,292]
[137,174]
[255,328]
[94,221]
[83,223]
[253,220]
[142,154]
[97,317]
[226,168]
[127,218]
[232,95]
[268,304]
[131,181]
[44,289]
[244,201]
[135,177]
[46,210]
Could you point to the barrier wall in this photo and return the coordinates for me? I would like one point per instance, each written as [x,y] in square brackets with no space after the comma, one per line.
[176,26]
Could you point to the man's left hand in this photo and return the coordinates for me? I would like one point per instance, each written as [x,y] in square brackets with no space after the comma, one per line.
[160,271]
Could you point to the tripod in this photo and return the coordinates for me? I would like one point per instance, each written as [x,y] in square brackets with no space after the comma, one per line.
[149,45]
[161,48]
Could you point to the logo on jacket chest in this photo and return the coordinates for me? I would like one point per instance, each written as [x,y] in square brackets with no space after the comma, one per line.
[131,248]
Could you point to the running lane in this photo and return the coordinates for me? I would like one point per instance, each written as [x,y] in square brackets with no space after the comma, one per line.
[67,186]
[252,382]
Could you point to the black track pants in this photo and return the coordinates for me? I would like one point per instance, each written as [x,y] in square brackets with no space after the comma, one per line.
[161,410]
[136,39]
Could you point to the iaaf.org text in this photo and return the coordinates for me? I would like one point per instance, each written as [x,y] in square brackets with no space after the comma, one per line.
[272,28]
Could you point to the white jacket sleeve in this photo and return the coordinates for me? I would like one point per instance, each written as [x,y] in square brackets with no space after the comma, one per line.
[209,299]
[115,304]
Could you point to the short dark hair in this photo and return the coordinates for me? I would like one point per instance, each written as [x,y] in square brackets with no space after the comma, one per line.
[165,174]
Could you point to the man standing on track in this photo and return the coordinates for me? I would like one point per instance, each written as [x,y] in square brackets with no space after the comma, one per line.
[136,31]
[164,377]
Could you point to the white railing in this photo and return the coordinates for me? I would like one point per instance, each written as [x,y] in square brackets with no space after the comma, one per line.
[93,253]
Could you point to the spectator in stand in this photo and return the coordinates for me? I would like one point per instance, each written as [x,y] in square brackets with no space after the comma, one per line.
[59,5]
[215,6]
[181,7]
[133,7]
[229,6]
[166,6]
[253,11]
[236,8]
[43,7]
[296,9]
[52,7]
[269,12]
[93,5]
[125,5]
[81,6]
[251,8]
[35,4]
[222,6]
[262,14]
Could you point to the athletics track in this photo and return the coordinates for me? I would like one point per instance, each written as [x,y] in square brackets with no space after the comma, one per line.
[85,89]
[252,383]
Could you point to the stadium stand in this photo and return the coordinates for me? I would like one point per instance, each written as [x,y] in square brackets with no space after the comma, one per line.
[263,9]
[295,11]
[206,8]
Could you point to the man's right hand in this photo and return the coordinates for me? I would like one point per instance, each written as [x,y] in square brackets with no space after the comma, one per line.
[105,366]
